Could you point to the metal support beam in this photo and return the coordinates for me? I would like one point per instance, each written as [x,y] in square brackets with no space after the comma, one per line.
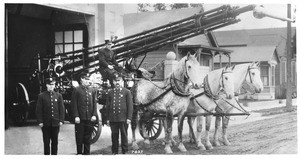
[289,61]
[220,57]
[212,60]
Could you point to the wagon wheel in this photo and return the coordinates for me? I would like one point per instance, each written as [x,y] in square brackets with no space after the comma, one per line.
[152,126]
[19,109]
[97,128]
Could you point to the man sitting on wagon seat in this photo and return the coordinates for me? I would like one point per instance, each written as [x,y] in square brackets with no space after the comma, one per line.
[107,62]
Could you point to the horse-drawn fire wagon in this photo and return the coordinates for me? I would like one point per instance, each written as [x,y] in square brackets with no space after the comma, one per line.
[67,66]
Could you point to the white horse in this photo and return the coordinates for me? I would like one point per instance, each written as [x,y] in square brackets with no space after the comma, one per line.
[243,72]
[248,73]
[216,82]
[170,97]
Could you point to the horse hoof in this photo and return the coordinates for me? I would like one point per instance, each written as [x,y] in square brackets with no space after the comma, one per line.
[168,149]
[201,147]
[208,147]
[227,143]
[181,147]
[135,146]
[147,142]
[216,143]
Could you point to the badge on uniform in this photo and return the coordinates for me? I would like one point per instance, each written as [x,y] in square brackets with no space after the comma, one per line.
[90,94]
[121,95]
[55,100]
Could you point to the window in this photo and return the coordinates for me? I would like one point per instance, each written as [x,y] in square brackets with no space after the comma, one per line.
[264,70]
[69,38]
[66,41]
[273,75]
[204,59]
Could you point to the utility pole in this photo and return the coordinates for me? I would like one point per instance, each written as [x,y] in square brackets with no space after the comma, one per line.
[289,61]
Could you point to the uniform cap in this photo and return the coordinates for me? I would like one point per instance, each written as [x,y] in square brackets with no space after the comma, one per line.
[84,74]
[108,42]
[50,80]
[117,77]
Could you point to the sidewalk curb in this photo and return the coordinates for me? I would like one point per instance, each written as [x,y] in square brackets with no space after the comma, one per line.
[258,105]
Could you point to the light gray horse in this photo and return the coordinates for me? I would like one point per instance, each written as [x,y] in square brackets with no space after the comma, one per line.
[216,83]
[169,97]
[242,73]
[248,73]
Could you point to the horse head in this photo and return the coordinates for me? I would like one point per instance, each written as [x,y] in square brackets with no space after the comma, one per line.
[253,77]
[226,82]
[130,64]
[191,70]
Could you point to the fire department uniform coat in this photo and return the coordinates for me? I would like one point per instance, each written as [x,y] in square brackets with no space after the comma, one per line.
[107,57]
[84,102]
[50,109]
[119,105]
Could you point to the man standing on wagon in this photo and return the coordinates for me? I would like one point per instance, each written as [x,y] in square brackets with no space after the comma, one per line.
[50,113]
[107,62]
[119,112]
[84,108]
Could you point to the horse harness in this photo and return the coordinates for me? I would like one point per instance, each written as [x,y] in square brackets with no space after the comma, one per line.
[207,91]
[174,86]
[250,77]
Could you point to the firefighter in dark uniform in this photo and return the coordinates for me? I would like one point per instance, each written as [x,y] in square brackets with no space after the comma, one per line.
[84,108]
[119,112]
[50,113]
[107,63]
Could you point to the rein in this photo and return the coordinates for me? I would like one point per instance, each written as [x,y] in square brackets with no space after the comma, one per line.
[240,109]
[198,95]
[157,98]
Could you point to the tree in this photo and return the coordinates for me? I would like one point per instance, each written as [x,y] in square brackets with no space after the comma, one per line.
[195,5]
[142,7]
[159,6]
[179,5]
[145,7]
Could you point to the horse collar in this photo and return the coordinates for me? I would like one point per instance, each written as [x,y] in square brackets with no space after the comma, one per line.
[207,89]
[176,87]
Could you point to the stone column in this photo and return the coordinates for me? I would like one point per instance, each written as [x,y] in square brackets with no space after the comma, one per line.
[170,63]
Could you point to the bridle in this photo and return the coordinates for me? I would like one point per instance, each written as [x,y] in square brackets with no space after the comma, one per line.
[222,75]
[175,83]
[248,72]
